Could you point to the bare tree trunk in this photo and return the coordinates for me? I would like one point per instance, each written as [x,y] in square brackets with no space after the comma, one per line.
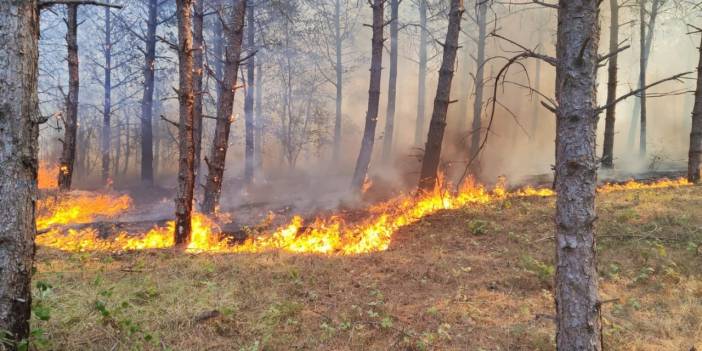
[249,99]
[577,305]
[646,31]
[364,156]
[234,35]
[339,68]
[695,154]
[19,132]
[147,143]
[186,99]
[392,81]
[608,145]
[537,87]
[107,104]
[127,145]
[422,77]
[198,54]
[476,127]
[643,58]
[258,148]
[432,151]
[68,153]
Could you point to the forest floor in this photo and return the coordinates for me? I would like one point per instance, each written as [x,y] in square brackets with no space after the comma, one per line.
[477,278]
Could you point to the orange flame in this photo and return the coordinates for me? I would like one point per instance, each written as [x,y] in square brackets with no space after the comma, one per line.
[323,235]
[47,178]
[81,208]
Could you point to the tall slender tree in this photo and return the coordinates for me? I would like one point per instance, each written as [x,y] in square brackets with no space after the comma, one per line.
[610,115]
[477,125]
[106,135]
[392,80]
[419,133]
[577,305]
[147,100]
[233,30]
[19,131]
[695,153]
[186,101]
[249,98]
[198,57]
[364,156]
[432,151]
[68,153]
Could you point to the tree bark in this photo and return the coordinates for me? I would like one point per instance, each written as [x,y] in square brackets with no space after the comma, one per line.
[68,153]
[422,75]
[610,116]
[392,81]
[364,156]
[234,35]
[577,305]
[198,55]
[643,58]
[695,154]
[147,142]
[432,151]
[19,131]
[249,99]
[260,123]
[476,127]
[107,104]
[339,68]
[186,101]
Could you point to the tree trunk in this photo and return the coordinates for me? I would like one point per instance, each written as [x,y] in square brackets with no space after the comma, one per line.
[127,145]
[476,128]
[198,54]
[608,145]
[68,154]
[392,81]
[432,151]
[258,148]
[234,35]
[577,305]
[646,31]
[695,154]
[186,101]
[147,147]
[19,132]
[643,58]
[249,99]
[422,76]
[107,104]
[364,156]
[339,68]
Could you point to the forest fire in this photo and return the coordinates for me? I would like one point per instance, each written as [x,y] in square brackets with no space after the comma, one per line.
[47,178]
[323,235]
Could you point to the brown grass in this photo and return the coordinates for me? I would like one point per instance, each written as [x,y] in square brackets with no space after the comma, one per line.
[478,278]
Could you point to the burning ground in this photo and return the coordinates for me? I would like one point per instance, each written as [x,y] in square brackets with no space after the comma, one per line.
[472,275]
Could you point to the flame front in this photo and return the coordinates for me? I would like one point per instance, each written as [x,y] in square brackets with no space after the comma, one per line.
[323,235]
[47,178]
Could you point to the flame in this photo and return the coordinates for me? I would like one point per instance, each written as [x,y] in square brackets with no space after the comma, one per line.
[79,208]
[634,185]
[47,178]
[322,235]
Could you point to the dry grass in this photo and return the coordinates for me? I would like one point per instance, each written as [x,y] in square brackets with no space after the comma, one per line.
[478,278]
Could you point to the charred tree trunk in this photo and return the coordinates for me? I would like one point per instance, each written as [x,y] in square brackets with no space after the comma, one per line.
[147,142]
[608,145]
[339,68]
[234,35]
[249,99]
[577,305]
[364,156]
[432,152]
[392,81]
[68,153]
[422,76]
[476,128]
[695,154]
[186,101]
[107,104]
[19,132]
[198,55]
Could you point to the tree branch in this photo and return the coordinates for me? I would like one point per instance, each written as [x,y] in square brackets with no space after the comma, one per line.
[47,3]
[634,92]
